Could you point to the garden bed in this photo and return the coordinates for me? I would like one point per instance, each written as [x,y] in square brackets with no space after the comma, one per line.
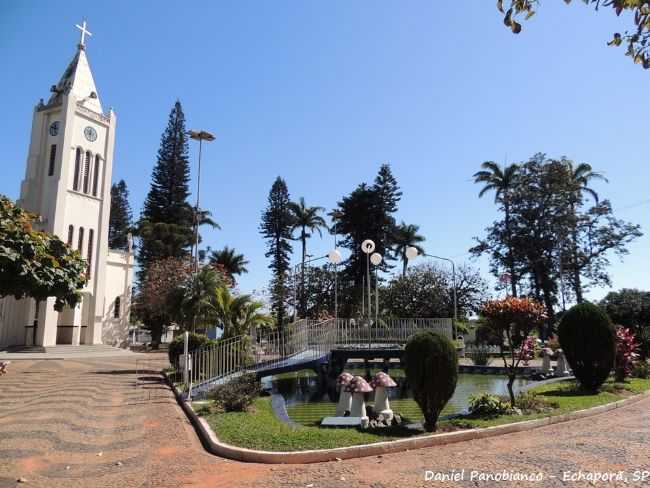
[260,429]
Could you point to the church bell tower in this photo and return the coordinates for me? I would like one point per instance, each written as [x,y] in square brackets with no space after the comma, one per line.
[67,182]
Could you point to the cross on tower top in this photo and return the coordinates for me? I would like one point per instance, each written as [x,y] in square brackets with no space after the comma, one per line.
[84,31]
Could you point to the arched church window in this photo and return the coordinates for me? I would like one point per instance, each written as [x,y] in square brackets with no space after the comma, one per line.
[50,169]
[89,256]
[96,176]
[70,234]
[77,169]
[80,244]
[87,171]
[116,308]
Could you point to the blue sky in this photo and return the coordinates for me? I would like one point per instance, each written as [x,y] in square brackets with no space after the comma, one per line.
[321,93]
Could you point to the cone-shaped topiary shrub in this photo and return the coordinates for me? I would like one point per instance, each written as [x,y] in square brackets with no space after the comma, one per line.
[588,339]
[431,364]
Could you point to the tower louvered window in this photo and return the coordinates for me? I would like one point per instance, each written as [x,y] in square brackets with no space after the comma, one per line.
[80,243]
[89,256]
[96,176]
[77,170]
[87,171]
[50,169]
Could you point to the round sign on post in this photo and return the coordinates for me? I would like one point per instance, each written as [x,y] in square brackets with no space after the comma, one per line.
[368,246]
[375,258]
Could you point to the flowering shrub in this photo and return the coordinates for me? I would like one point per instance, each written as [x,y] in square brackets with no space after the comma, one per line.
[513,319]
[527,351]
[626,352]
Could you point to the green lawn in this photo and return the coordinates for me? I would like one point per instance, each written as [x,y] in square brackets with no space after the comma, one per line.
[568,397]
[312,413]
[261,429]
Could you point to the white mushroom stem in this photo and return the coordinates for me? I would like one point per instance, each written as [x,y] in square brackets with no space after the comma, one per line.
[358,408]
[345,402]
[381,399]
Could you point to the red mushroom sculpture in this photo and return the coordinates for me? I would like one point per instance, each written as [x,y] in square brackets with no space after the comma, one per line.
[358,386]
[345,397]
[380,382]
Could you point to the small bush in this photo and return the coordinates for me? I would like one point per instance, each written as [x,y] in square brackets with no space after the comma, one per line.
[431,365]
[588,339]
[488,405]
[238,394]
[641,370]
[195,341]
[530,403]
[626,353]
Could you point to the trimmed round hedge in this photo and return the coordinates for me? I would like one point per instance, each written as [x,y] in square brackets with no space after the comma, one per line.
[588,339]
[431,364]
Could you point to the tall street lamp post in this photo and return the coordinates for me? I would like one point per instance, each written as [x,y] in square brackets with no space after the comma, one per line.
[412,253]
[198,135]
[334,257]
[375,259]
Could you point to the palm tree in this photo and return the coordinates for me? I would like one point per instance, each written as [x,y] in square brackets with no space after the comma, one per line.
[406,235]
[231,262]
[306,220]
[238,314]
[579,178]
[193,299]
[501,181]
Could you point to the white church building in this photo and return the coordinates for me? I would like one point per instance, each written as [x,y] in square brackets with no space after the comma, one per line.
[67,182]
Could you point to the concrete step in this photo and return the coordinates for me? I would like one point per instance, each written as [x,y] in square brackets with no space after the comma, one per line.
[83,348]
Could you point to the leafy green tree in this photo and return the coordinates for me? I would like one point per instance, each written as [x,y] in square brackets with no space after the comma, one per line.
[631,309]
[426,291]
[36,264]
[232,263]
[192,301]
[502,181]
[551,233]
[638,40]
[306,220]
[120,222]
[578,178]
[167,222]
[276,226]
[156,302]
[238,314]
[405,236]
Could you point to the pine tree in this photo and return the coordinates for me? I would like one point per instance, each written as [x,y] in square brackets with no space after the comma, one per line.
[276,227]
[166,224]
[120,222]
[367,213]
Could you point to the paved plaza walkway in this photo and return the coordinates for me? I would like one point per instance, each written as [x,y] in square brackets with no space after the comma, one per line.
[87,423]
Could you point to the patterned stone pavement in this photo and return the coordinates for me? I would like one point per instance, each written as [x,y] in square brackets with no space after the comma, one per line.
[85,423]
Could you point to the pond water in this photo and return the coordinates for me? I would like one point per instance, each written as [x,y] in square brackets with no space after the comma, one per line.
[307,401]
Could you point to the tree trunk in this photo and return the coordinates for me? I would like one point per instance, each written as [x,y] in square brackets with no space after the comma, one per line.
[430,421]
[303,305]
[511,382]
[404,264]
[511,257]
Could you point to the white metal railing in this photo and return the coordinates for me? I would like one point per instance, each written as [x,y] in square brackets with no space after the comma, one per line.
[300,342]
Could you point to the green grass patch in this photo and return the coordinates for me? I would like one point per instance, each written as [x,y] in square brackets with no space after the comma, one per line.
[569,397]
[312,413]
[261,429]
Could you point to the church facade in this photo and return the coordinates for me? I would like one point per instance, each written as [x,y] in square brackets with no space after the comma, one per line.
[67,182]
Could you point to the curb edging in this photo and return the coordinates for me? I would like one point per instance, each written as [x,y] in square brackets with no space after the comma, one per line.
[213,445]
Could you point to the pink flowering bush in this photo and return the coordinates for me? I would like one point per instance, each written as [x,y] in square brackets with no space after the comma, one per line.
[527,351]
[626,353]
